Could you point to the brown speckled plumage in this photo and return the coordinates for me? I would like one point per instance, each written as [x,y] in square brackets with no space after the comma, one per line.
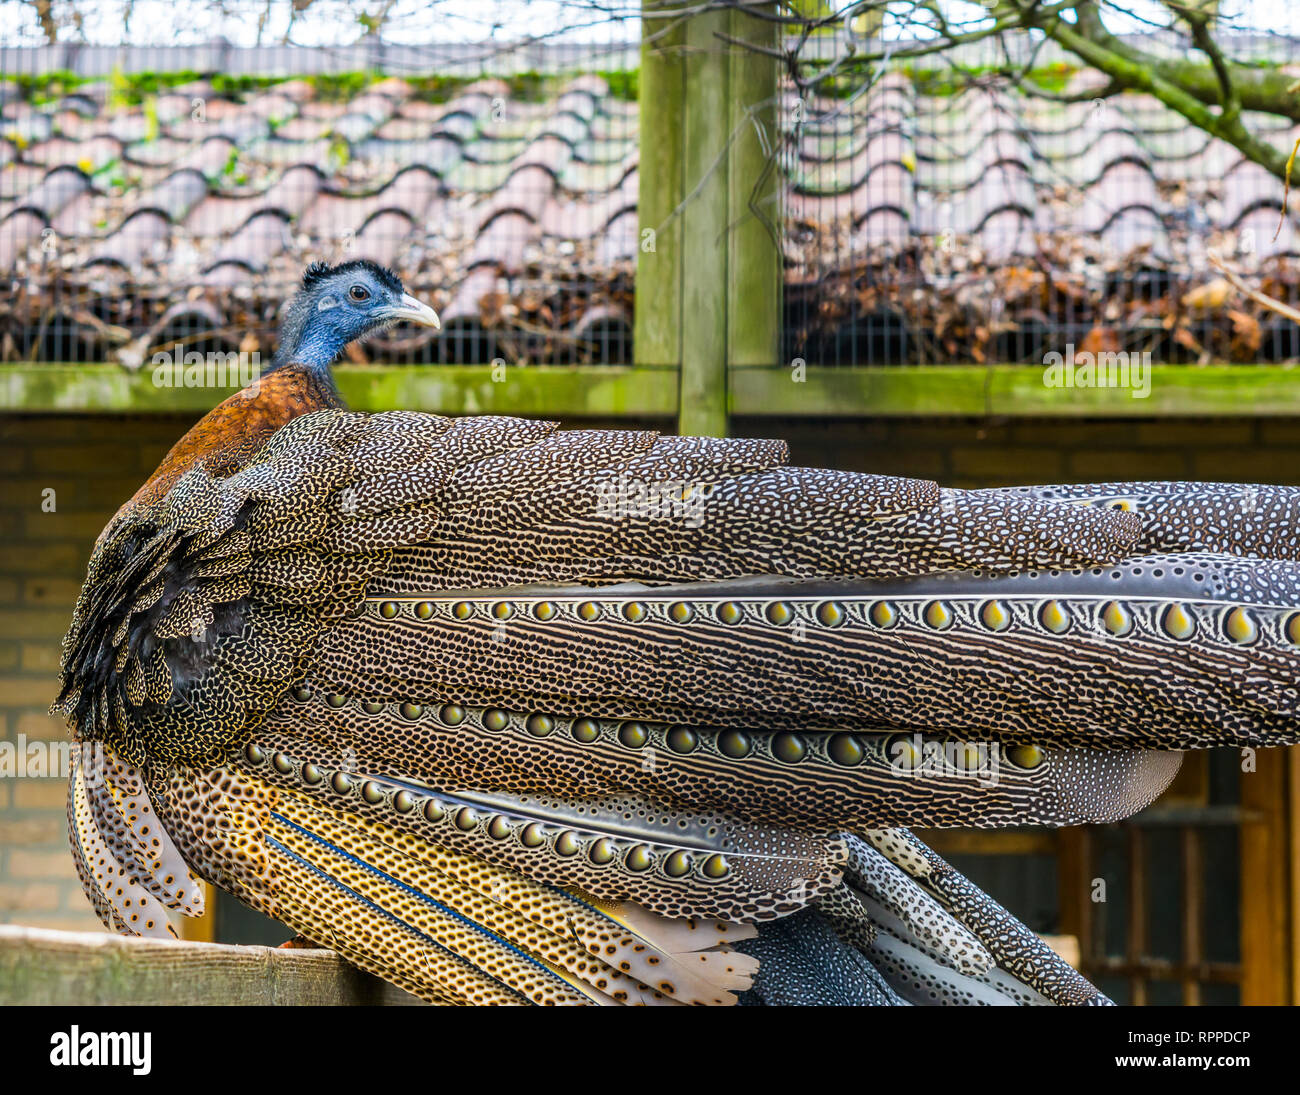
[508,714]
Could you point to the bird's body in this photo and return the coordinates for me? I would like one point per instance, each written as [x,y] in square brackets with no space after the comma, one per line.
[507,714]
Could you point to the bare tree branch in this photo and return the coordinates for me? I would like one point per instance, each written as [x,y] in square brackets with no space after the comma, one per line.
[1254,294]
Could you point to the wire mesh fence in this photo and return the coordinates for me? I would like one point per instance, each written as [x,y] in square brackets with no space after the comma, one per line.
[157,199]
[993,203]
[1000,202]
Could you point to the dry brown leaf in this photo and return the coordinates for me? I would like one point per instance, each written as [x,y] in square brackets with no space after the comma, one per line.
[1209,297]
[1246,336]
[490,306]
[1187,340]
[1100,340]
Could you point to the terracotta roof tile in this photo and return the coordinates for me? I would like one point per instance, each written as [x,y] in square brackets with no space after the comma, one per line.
[263,236]
[519,217]
[383,237]
[143,235]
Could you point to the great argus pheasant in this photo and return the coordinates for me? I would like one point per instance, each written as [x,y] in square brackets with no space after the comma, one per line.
[508,714]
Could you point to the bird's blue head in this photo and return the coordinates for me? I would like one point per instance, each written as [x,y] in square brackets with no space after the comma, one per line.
[340,304]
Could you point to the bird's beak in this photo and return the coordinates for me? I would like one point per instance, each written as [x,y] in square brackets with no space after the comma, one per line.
[414,311]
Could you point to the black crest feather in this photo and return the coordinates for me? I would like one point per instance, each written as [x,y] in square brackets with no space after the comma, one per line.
[319,271]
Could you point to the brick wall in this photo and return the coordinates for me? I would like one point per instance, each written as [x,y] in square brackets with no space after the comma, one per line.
[963,453]
[93,464]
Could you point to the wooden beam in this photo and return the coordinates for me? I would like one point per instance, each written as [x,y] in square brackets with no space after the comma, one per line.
[1074,872]
[708,294]
[581,392]
[827,392]
[1161,969]
[585,391]
[1193,911]
[946,842]
[1293,836]
[647,391]
[1014,391]
[1135,937]
[38,966]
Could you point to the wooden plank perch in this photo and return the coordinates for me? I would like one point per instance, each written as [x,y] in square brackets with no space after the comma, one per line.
[38,966]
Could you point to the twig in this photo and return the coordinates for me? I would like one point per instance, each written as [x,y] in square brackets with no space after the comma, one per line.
[1235,280]
[1286,192]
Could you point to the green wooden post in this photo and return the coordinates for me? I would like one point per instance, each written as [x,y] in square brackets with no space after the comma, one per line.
[658,337]
[708,295]
[705,294]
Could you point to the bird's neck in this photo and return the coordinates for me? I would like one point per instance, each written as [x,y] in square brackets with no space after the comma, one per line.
[310,348]
[307,337]
[314,348]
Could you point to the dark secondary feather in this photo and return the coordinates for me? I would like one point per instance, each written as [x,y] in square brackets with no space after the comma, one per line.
[669,674]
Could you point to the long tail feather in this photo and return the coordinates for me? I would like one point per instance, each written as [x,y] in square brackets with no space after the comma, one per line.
[771,777]
[124,896]
[1017,950]
[1164,651]
[665,858]
[1245,519]
[597,943]
[444,925]
[885,887]
[127,821]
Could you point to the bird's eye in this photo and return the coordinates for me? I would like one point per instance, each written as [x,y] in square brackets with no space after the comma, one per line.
[359,293]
